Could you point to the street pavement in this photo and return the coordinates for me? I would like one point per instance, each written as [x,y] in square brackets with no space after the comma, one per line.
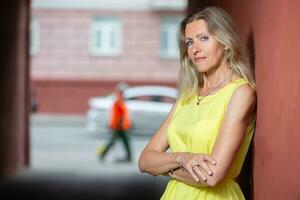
[62,143]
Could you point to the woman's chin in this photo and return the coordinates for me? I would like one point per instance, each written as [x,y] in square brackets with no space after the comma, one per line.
[202,69]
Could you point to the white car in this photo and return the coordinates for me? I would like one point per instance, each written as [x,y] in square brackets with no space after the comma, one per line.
[148,106]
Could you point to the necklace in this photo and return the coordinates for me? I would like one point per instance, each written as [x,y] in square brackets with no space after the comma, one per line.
[199,98]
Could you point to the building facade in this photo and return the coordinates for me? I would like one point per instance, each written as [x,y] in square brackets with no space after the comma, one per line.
[83,48]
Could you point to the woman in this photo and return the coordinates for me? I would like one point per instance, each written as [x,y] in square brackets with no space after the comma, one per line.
[210,127]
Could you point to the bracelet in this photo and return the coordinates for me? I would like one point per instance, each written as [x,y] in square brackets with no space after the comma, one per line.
[172,170]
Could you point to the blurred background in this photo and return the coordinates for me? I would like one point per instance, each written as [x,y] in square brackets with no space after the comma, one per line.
[61,59]
[79,51]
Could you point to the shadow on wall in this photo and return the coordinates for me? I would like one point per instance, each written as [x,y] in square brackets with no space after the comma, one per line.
[251,49]
[246,176]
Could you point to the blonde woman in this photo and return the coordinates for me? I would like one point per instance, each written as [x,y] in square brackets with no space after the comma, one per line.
[210,127]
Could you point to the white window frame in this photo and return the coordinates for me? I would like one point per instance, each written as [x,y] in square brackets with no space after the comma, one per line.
[110,30]
[169,26]
[34,36]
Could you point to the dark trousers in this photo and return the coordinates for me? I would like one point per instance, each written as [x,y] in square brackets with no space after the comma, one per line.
[118,134]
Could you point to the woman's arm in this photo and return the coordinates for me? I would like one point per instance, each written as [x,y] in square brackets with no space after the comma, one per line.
[238,115]
[154,159]
[231,135]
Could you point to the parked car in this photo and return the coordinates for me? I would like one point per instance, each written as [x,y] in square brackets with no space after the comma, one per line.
[148,106]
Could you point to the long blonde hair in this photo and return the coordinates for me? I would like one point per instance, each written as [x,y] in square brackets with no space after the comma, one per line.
[220,24]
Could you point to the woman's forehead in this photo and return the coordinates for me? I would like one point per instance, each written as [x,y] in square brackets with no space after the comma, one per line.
[196,27]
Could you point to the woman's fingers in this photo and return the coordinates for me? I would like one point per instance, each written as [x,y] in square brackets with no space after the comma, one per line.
[197,165]
[198,170]
[209,159]
[203,165]
[189,167]
[192,173]
[203,161]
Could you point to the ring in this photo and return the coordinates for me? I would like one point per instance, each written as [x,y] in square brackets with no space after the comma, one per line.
[197,165]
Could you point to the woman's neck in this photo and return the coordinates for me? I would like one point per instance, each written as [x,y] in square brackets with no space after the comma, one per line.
[211,79]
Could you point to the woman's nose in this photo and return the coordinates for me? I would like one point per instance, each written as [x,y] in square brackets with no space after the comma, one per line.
[196,48]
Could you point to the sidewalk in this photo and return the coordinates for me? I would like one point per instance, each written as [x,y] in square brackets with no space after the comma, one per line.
[62,143]
[38,119]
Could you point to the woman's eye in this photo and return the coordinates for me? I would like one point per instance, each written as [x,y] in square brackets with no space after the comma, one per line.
[204,38]
[188,43]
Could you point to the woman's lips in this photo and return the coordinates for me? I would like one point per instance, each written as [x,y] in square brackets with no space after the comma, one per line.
[199,59]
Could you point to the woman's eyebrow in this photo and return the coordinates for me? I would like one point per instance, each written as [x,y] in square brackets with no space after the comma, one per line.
[201,34]
[187,39]
[198,35]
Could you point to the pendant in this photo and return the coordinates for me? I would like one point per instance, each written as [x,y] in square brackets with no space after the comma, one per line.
[198,101]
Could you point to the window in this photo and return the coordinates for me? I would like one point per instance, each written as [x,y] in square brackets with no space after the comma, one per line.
[169,37]
[105,38]
[34,36]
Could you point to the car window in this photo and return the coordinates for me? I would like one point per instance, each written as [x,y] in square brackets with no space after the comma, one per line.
[140,98]
[168,99]
[153,98]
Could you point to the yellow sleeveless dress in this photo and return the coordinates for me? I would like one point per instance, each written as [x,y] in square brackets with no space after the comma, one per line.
[194,128]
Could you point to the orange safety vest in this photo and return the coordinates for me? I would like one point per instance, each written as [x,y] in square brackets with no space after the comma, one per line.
[120,119]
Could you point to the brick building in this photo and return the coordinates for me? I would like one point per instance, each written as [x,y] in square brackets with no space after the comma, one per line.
[82,48]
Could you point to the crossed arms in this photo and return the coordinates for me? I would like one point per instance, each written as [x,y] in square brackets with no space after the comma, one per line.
[199,169]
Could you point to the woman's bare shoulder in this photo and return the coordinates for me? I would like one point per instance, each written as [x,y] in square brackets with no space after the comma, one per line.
[243,101]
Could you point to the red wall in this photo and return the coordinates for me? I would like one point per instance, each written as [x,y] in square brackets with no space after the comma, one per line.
[272,29]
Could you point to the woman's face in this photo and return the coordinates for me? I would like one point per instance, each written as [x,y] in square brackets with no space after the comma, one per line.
[203,49]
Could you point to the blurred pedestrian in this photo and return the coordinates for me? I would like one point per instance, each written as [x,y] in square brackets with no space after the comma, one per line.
[119,124]
[210,127]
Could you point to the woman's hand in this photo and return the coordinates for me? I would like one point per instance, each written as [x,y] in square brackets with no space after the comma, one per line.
[197,165]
